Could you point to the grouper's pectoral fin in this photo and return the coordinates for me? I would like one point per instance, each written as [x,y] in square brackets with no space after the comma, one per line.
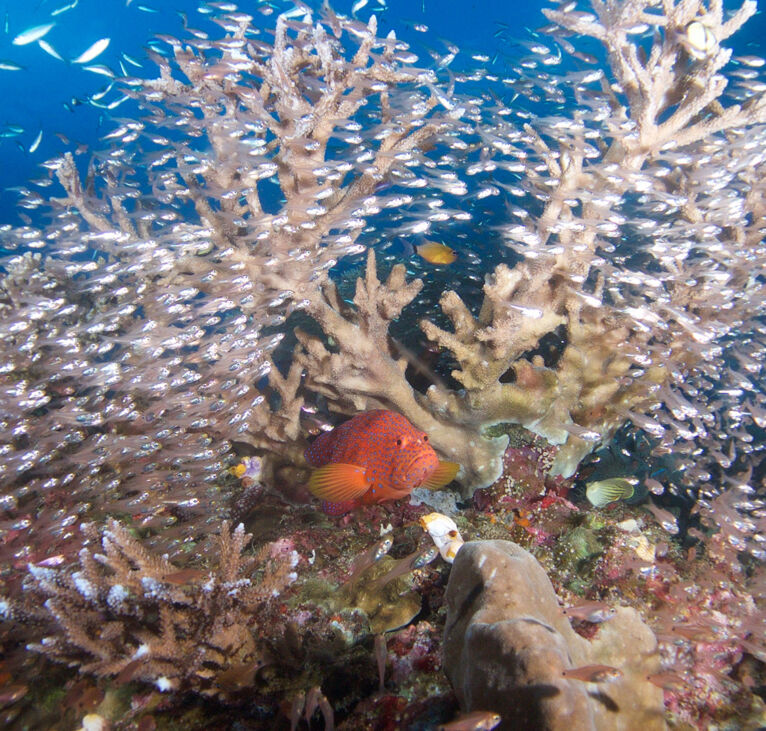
[338,482]
[442,475]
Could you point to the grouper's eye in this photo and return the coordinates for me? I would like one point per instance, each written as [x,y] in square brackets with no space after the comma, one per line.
[399,442]
[425,437]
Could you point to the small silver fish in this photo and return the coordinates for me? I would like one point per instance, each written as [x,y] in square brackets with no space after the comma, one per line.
[36,142]
[370,556]
[100,69]
[752,61]
[96,49]
[664,517]
[668,680]
[50,50]
[116,103]
[696,631]
[594,612]
[655,487]
[64,8]
[416,560]
[11,130]
[30,35]
[593,673]
[132,61]
[101,94]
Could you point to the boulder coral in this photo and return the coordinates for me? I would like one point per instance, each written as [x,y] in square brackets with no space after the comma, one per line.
[506,643]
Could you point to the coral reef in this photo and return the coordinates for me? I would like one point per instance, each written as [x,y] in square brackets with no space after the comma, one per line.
[623,344]
[705,608]
[148,312]
[131,614]
[506,644]
[129,372]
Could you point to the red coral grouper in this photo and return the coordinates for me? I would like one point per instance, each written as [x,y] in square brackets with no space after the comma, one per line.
[373,457]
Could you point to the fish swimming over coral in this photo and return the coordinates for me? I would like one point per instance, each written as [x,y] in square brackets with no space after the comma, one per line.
[604,492]
[436,253]
[373,457]
[595,612]
[593,673]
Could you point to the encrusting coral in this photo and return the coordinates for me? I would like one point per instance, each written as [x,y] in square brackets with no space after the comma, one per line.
[131,614]
[508,646]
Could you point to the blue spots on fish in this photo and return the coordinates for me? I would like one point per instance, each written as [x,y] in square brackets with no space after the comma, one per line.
[373,457]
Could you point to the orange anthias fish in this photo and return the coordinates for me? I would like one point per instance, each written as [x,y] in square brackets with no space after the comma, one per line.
[373,457]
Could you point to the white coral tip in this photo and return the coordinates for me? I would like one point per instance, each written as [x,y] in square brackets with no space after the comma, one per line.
[164,684]
[142,650]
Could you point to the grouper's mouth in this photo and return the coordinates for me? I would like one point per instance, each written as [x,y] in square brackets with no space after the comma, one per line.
[419,470]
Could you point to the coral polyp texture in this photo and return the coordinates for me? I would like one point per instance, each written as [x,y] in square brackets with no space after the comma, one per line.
[128,613]
[178,317]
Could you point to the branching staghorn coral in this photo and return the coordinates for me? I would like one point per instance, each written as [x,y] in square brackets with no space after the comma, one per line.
[136,343]
[130,613]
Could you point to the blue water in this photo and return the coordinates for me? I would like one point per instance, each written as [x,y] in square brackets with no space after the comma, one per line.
[65,101]
[52,95]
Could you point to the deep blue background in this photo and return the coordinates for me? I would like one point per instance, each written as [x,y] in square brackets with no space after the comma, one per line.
[35,97]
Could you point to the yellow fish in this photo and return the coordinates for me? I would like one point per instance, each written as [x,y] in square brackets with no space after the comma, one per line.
[248,469]
[435,253]
[607,491]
